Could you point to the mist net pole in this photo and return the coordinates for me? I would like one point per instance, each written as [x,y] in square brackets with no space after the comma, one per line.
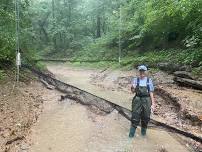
[18,62]
[120,28]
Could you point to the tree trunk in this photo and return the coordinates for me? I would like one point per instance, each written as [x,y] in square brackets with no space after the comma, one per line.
[70,12]
[188,82]
[172,67]
[42,23]
[55,42]
[53,13]
[98,26]
[53,8]
[104,26]
[183,74]
[45,34]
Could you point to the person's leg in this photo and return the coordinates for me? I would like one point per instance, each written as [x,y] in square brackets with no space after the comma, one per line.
[144,123]
[145,115]
[132,131]
[135,120]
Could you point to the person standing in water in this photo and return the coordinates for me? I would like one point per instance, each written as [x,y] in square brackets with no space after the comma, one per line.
[143,102]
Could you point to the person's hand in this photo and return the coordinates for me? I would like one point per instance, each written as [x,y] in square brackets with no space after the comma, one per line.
[132,89]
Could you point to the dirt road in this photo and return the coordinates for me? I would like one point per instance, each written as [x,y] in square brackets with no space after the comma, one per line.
[67,126]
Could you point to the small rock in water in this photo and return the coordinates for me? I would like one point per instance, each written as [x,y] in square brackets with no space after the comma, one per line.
[24,147]
[162,149]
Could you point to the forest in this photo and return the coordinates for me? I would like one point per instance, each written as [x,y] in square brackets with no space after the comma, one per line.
[135,30]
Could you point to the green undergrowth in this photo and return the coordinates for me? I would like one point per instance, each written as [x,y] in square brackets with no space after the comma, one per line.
[96,65]
[2,74]
[186,57]
[41,66]
[192,57]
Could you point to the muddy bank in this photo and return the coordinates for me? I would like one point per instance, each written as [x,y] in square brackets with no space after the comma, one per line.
[19,110]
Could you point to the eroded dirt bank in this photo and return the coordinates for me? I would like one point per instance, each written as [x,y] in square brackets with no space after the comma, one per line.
[19,110]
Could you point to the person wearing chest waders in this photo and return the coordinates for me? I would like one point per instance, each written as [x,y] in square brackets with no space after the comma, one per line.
[143,102]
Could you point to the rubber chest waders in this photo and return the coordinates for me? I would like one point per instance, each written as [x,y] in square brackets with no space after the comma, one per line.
[141,107]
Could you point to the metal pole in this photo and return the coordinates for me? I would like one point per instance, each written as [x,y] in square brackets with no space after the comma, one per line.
[17,15]
[120,27]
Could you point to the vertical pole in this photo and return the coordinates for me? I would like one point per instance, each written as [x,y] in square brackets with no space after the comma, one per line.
[18,73]
[17,15]
[120,27]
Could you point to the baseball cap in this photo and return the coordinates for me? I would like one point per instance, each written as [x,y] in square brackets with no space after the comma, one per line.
[142,68]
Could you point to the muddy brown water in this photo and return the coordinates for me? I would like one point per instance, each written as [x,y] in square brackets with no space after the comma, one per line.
[70,127]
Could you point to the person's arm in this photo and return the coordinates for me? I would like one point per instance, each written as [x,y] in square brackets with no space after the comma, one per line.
[152,95]
[133,86]
[152,98]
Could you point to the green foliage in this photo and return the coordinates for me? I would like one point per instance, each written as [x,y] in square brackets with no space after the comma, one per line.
[168,22]
[7,29]
[152,24]
[96,65]
[2,75]
[41,66]
[197,71]
[89,30]
[191,57]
